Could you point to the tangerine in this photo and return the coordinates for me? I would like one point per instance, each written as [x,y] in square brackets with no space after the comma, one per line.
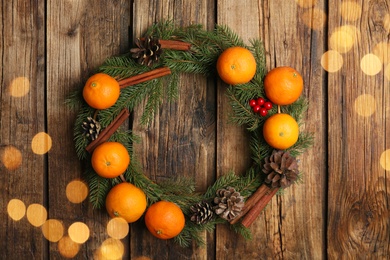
[283,85]
[110,159]
[126,201]
[164,219]
[281,131]
[236,65]
[101,91]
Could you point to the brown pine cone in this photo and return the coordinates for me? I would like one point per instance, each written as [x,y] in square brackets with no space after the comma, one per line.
[281,169]
[229,203]
[148,50]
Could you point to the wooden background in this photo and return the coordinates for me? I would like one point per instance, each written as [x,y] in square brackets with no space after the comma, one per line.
[340,211]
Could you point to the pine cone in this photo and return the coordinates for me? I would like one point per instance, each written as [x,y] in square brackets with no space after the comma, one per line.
[148,51]
[281,169]
[229,203]
[91,128]
[202,212]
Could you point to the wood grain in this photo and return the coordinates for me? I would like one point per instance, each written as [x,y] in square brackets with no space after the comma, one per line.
[181,139]
[21,117]
[358,212]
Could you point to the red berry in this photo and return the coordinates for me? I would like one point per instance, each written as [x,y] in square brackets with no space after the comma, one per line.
[263,111]
[252,102]
[267,105]
[260,101]
[256,108]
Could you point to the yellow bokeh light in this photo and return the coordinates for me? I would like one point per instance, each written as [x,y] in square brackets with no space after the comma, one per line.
[306,3]
[332,61]
[67,247]
[110,249]
[365,105]
[117,228]
[19,87]
[351,11]
[41,143]
[370,64]
[16,209]
[314,18]
[53,230]
[76,191]
[11,157]
[36,214]
[78,232]
[385,160]
[342,39]
[382,50]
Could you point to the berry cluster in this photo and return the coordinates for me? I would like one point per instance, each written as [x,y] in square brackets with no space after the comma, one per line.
[260,106]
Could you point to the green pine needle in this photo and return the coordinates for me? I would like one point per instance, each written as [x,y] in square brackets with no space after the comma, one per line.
[206,46]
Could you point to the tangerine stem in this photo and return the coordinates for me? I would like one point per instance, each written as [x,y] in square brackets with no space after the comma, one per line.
[278,109]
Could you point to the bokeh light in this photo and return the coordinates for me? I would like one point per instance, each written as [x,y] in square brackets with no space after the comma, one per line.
[117,228]
[343,38]
[306,3]
[36,214]
[370,64]
[19,87]
[78,232]
[351,11]
[41,143]
[11,157]
[385,160]
[67,247]
[382,50]
[332,61]
[53,230]
[76,191]
[111,248]
[365,105]
[16,209]
[314,18]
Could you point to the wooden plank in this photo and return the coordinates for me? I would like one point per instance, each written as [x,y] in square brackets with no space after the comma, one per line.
[286,218]
[297,41]
[21,118]
[234,154]
[181,139]
[358,212]
[77,43]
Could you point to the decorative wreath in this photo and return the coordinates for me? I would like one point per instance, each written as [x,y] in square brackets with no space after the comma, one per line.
[150,72]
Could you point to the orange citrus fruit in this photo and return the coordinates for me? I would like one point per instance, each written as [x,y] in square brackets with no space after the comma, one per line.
[110,159]
[126,201]
[236,65]
[281,131]
[164,219]
[101,91]
[283,85]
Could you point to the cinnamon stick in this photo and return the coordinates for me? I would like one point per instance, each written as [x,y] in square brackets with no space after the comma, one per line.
[143,77]
[109,130]
[258,208]
[253,199]
[174,45]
